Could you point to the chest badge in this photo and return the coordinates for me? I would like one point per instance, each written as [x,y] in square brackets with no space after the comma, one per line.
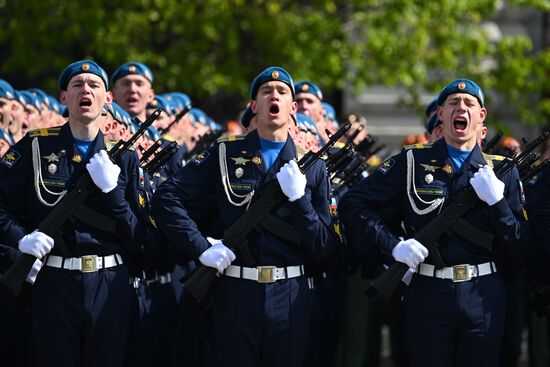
[429,168]
[52,168]
[51,158]
[257,160]
[429,178]
[239,172]
[240,161]
[447,169]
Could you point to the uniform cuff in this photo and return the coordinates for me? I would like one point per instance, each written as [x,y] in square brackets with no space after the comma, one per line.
[500,209]
[301,205]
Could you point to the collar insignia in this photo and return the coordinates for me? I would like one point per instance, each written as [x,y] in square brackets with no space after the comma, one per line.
[77,158]
[447,169]
[240,161]
[257,160]
[429,168]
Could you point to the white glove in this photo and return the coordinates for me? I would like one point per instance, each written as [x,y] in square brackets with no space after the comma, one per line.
[410,252]
[103,171]
[487,186]
[31,277]
[217,256]
[292,181]
[36,244]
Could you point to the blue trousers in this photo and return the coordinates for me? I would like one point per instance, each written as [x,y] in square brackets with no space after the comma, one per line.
[80,319]
[261,324]
[455,324]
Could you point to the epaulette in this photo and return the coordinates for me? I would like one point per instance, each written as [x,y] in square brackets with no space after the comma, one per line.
[417,146]
[110,144]
[168,137]
[53,131]
[231,138]
[494,157]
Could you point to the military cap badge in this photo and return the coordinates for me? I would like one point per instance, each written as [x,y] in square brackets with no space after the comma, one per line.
[132,69]
[305,87]
[461,86]
[85,67]
[275,74]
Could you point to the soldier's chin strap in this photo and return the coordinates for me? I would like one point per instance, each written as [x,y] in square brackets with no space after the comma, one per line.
[227,184]
[410,184]
[38,181]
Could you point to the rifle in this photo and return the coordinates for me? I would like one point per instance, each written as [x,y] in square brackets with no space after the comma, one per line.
[382,288]
[200,283]
[84,187]
[177,119]
[489,146]
[161,157]
[203,143]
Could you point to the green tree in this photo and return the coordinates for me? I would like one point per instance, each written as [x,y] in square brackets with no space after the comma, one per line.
[213,48]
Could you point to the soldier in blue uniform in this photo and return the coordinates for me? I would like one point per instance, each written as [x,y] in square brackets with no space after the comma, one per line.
[81,295]
[260,315]
[454,315]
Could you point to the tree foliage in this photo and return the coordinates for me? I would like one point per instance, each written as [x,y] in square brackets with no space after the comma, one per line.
[211,47]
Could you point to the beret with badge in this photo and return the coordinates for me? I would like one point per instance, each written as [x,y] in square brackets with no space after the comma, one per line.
[272,73]
[132,68]
[81,67]
[461,86]
[308,87]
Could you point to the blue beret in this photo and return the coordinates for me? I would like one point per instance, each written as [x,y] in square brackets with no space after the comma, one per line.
[330,112]
[431,107]
[272,73]
[178,100]
[40,95]
[27,98]
[432,123]
[118,114]
[461,86]
[247,117]
[305,122]
[308,87]
[198,116]
[161,103]
[153,133]
[6,90]
[136,68]
[80,67]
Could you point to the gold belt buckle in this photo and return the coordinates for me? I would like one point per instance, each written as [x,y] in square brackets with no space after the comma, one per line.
[265,274]
[461,273]
[88,263]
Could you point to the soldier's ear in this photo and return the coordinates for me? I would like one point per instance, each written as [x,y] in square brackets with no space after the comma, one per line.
[294,108]
[108,98]
[63,97]
[254,106]
[483,114]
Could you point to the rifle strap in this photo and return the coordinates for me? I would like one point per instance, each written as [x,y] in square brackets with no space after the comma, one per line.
[227,184]
[38,180]
[280,228]
[411,187]
[469,232]
[95,219]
